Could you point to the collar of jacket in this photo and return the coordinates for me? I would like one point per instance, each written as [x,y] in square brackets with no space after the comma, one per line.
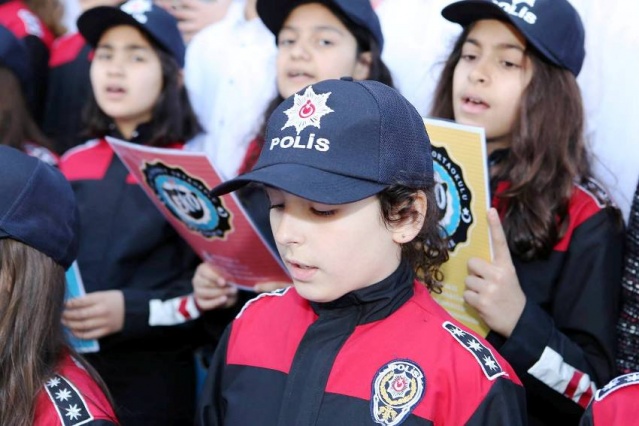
[141,134]
[374,302]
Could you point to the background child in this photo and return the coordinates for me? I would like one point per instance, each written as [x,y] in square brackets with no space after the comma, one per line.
[553,307]
[129,255]
[42,380]
[17,128]
[356,339]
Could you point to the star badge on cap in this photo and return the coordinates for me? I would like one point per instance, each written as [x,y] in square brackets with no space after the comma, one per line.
[137,9]
[307,110]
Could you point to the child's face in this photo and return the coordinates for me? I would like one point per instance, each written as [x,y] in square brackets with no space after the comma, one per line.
[126,77]
[490,78]
[313,45]
[330,250]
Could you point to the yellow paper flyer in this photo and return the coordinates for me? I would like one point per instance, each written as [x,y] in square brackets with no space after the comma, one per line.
[461,176]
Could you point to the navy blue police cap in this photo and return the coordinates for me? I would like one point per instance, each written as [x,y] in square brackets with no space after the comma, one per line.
[37,206]
[340,141]
[552,27]
[15,56]
[159,25]
[274,12]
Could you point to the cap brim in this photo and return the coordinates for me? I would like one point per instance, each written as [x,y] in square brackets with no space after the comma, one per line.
[95,21]
[275,12]
[468,11]
[306,182]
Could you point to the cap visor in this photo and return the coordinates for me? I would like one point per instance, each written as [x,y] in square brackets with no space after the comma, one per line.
[306,182]
[94,22]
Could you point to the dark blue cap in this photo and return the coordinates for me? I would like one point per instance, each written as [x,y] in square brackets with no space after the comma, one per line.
[37,206]
[152,20]
[340,141]
[553,27]
[15,56]
[274,12]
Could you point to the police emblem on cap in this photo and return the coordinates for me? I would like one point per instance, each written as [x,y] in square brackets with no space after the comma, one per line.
[189,200]
[397,389]
[484,356]
[137,9]
[453,197]
[307,110]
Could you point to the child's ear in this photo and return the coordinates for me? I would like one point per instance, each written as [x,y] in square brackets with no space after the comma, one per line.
[408,229]
[363,66]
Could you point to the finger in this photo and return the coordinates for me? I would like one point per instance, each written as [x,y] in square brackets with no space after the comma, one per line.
[209,304]
[501,251]
[472,298]
[478,267]
[79,326]
[78,303]
[81,314]
[210,273]
[474,284]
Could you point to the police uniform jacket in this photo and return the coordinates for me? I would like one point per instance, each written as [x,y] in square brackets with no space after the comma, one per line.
[71,397]
[386,354]
[126,244]
[563,346]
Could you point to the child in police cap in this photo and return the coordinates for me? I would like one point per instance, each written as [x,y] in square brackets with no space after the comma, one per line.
[551,295]
[130,257]
[357,339]
[42,380]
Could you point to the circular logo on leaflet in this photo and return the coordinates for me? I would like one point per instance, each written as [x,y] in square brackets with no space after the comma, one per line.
[453,197]
[189,200]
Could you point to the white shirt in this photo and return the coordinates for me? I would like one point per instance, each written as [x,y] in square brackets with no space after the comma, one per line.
[230,77]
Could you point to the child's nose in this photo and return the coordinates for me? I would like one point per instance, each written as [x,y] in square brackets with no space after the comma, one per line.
[287,230]
[480,72]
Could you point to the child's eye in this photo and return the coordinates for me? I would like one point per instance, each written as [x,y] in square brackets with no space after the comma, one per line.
[103,56]
[318,212]
[468,57]
[139,58]
[276,206]
[325,42]
[282,42]
[508,64]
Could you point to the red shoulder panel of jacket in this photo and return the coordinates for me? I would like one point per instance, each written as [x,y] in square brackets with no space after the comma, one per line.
[89,161]
[585,202]
[616,403]
[19,19]
[66,49]
[264,321]
[457,364]
[71,397]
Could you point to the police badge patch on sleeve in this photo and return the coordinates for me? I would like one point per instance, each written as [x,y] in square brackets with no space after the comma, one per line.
[397,389]
[189,200]
[482,353]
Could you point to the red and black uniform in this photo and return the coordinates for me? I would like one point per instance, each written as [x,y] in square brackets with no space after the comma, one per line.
[563,346]
[126,244]
[384,354]
[615,403]
[71,397]
[69,85]
[21,21]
